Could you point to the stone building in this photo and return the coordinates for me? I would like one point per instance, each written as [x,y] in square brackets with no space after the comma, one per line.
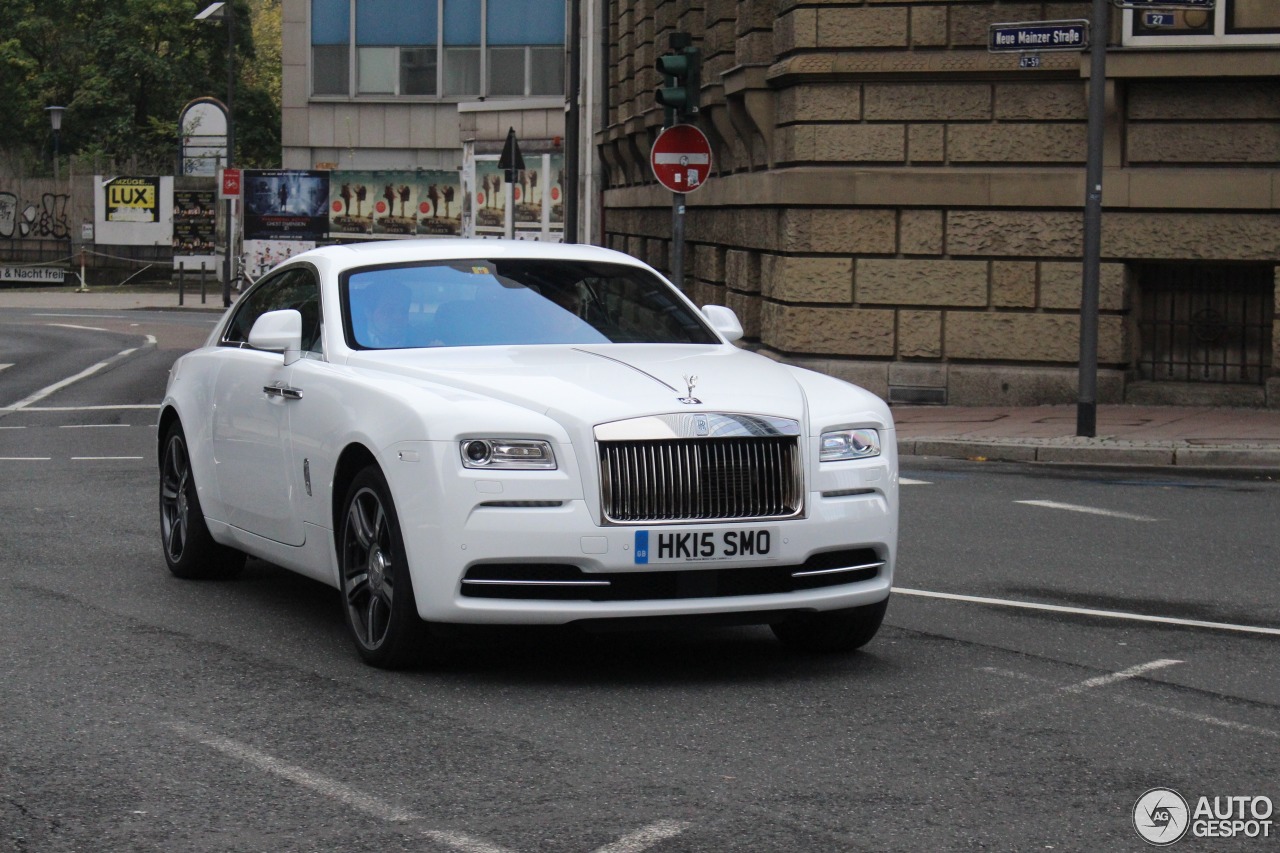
[894,204]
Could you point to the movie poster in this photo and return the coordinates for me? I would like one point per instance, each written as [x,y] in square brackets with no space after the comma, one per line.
[194,222]
[490,197]
[261,255]
[285,204]
[395,204]
[439,204]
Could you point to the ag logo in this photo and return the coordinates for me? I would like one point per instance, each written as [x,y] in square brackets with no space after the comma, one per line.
[1161,816]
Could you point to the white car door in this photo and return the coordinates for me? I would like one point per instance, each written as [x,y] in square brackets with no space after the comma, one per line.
[254,401]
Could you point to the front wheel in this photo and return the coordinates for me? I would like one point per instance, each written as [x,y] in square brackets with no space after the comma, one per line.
[377,592]
[189,549]
[832,631]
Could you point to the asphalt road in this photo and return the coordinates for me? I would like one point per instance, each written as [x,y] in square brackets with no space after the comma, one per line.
[139,712]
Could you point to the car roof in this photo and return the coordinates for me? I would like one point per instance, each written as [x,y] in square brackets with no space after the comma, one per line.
[347,255]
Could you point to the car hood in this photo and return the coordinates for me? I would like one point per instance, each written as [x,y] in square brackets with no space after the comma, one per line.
[601,383]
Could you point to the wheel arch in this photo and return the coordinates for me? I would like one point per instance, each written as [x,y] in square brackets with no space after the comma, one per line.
[168,417]
[353,459]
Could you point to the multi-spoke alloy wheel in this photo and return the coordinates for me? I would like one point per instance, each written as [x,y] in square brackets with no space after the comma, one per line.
[189,550]
[377,593]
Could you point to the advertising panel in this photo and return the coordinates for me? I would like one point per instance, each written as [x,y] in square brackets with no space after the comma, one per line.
[133,200]
[194,222]
[285,204]
[394,204]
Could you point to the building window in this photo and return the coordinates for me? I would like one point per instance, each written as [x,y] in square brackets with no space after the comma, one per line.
[1229,22]
[1205,322]
[437,48]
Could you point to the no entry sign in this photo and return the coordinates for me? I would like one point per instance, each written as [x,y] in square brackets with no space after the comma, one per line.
[681,158]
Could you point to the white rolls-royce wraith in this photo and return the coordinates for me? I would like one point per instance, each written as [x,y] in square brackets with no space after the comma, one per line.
[493,432]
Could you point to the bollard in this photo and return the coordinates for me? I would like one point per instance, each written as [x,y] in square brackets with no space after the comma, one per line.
[182,281]
[202,283]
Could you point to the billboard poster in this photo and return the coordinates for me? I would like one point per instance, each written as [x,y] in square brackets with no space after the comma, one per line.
[194,222]
[555,186]
[261,255]
[439,204]
[490,197]
[285,204]
[395,204]
[132,199]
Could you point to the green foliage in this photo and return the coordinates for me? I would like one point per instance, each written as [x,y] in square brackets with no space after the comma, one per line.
[124,69]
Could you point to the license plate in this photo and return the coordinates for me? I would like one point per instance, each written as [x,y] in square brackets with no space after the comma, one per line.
[705,546]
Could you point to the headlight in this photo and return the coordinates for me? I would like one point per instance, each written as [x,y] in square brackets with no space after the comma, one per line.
[849,444]
[506,453]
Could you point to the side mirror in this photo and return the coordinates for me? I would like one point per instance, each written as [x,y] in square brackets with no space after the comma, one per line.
[278,331]
[723,320]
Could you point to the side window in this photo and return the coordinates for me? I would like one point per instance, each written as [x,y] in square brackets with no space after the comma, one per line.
[293,288]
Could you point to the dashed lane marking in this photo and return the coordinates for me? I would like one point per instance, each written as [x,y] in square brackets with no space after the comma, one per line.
[1207,719]
[903,481]
[634,842]
[81,328]
[1085,611]
[1088,509]
[1088,684]
[88,371]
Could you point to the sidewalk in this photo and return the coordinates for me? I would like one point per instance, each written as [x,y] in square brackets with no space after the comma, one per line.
[1127,435]
[110,298]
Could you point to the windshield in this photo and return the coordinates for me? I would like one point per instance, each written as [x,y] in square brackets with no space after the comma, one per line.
[518,301]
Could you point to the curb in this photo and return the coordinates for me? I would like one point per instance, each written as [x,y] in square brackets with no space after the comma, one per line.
[1101,452]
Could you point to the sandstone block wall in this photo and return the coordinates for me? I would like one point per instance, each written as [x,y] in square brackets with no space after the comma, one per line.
[891,202]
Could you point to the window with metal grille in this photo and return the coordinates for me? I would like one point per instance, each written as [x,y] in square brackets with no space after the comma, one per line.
[1205,323]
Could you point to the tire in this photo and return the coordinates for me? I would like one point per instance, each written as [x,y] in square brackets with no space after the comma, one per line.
[189,549]
[377,592]
[833,631]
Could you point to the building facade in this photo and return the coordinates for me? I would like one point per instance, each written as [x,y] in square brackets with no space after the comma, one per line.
[894,204]
[428,85]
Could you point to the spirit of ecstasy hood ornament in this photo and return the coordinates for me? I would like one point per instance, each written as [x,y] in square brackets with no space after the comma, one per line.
[690,400]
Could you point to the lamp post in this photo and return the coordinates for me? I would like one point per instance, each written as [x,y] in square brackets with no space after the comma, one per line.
[55,121]
[212,12]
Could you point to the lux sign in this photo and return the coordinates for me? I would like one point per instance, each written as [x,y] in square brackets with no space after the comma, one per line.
[131,196]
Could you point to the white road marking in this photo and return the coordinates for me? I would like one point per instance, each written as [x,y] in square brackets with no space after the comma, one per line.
[82,328]
[105,458]
[12,427]
[58,386]
[94,316]
[316,782]
[903,481]
[643,839]
[1088,684]
[83,408]
[635,842]
[1084,611]
[24,458]
[1207,719]
[461,842]
[1088,509]
[94,426]
[4,366]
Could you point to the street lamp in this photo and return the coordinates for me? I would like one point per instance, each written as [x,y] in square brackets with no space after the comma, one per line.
[212,12]
[55,121]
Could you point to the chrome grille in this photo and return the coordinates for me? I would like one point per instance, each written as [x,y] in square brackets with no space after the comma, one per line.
[673,480]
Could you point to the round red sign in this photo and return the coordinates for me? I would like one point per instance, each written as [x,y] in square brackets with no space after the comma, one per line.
[681,158]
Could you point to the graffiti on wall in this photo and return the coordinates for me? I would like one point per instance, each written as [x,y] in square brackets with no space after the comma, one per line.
[45,221]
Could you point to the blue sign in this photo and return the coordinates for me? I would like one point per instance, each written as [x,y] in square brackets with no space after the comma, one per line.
[1038,35]
[1157,19]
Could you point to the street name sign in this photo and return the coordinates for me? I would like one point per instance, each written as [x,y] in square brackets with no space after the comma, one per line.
[1038,36]
[681,158]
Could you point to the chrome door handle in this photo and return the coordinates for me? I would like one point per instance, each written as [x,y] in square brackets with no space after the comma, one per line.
[284,391]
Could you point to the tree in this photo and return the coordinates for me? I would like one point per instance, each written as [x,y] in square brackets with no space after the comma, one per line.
[124,69]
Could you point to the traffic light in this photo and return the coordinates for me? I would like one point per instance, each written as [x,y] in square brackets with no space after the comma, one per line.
[681,69]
